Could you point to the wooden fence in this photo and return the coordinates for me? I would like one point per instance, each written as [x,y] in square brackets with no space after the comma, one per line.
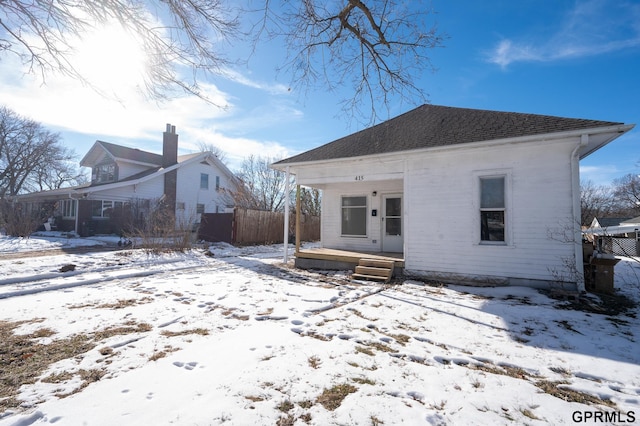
[256,227]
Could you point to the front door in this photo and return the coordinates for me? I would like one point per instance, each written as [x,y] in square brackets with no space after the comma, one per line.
[392,240]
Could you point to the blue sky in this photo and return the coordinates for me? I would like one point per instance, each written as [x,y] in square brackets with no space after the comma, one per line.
[567,58]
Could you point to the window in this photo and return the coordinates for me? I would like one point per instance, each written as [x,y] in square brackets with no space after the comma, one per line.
[104,173]
[199,208]
[68,208]
[354,216]
[217,183]
[492,209]
[204,181]
[180,205]
[104,208]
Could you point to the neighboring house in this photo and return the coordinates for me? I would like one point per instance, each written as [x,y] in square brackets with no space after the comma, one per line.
[127,181]
[467,196]
[607,222]
[619,236]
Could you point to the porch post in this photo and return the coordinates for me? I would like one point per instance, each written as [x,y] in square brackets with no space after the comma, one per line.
[297,218]
[77,214]
[286,218]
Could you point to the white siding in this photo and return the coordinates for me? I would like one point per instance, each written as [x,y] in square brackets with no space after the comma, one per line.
[332,214]
[127,169]
[190,193]
[441,210]
[151,189]
[443,225]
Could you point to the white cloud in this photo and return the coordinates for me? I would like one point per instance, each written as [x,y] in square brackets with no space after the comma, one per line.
[592,28]
[122,113]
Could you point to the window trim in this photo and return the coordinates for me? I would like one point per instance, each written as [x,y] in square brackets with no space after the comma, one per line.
[98,173]
[68,206]
[366,215]
[507,209]
[204,184]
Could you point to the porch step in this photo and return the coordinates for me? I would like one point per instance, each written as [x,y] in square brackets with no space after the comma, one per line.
[374,269]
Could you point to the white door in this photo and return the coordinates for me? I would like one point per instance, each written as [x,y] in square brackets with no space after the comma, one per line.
[392,240]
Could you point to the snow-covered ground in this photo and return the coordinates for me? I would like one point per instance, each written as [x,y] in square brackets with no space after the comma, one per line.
[238,338]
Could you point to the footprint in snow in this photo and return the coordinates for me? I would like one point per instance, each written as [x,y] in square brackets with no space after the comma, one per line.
[187,366]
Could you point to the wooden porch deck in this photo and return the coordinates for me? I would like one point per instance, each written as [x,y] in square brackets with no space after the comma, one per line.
[326,258]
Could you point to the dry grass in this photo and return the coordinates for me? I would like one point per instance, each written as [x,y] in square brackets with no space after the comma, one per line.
[332,398]
[570,395]
[200,331]
[124,303]
[285,406]
[24,358]
[314,362]
[363,381]
[163,353]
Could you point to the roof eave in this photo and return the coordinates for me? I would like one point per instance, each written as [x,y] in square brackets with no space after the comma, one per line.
[616,130]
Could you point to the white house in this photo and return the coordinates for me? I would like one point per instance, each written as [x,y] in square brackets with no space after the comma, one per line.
[127,181]
[466,196]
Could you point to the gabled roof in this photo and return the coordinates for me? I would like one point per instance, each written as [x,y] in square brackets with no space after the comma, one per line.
[119,152]
[605,222]
[143,176]
[430,126]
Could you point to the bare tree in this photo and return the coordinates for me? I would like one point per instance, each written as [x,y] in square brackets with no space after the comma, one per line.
[627,194]
[310,201]
[215,150]
[263,187]
[595,201]
[378,48]
[31,157]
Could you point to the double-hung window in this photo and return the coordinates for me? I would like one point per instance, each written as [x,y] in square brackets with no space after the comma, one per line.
[493,209]
[204,181]
[354,216]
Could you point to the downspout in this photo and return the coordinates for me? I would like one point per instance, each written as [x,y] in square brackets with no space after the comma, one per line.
[575,189]
[286,218]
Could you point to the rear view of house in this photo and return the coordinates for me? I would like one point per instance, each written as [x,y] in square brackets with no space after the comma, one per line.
[464,195]
[127,184]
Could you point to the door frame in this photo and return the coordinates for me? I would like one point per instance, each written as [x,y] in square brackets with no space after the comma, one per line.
[392,244]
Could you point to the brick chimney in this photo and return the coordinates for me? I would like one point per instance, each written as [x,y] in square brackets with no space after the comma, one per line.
[169,146]
[169,158]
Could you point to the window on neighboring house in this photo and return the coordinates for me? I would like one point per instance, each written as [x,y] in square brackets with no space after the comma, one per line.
[104,208]
[104,173]
[217,183]
[180,205]
[68,208]
[204,181]
[199,208]
[492,209]
[354,216]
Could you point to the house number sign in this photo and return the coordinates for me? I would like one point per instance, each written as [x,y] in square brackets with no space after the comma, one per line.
[359,177]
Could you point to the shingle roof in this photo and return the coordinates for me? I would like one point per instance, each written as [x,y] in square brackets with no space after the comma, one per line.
[612,221]
[436,126]
[133,154]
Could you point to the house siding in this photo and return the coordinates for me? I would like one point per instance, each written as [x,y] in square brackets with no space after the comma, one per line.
[441,199]
[331,219]
[443,238]
[129,169]
[190,193]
